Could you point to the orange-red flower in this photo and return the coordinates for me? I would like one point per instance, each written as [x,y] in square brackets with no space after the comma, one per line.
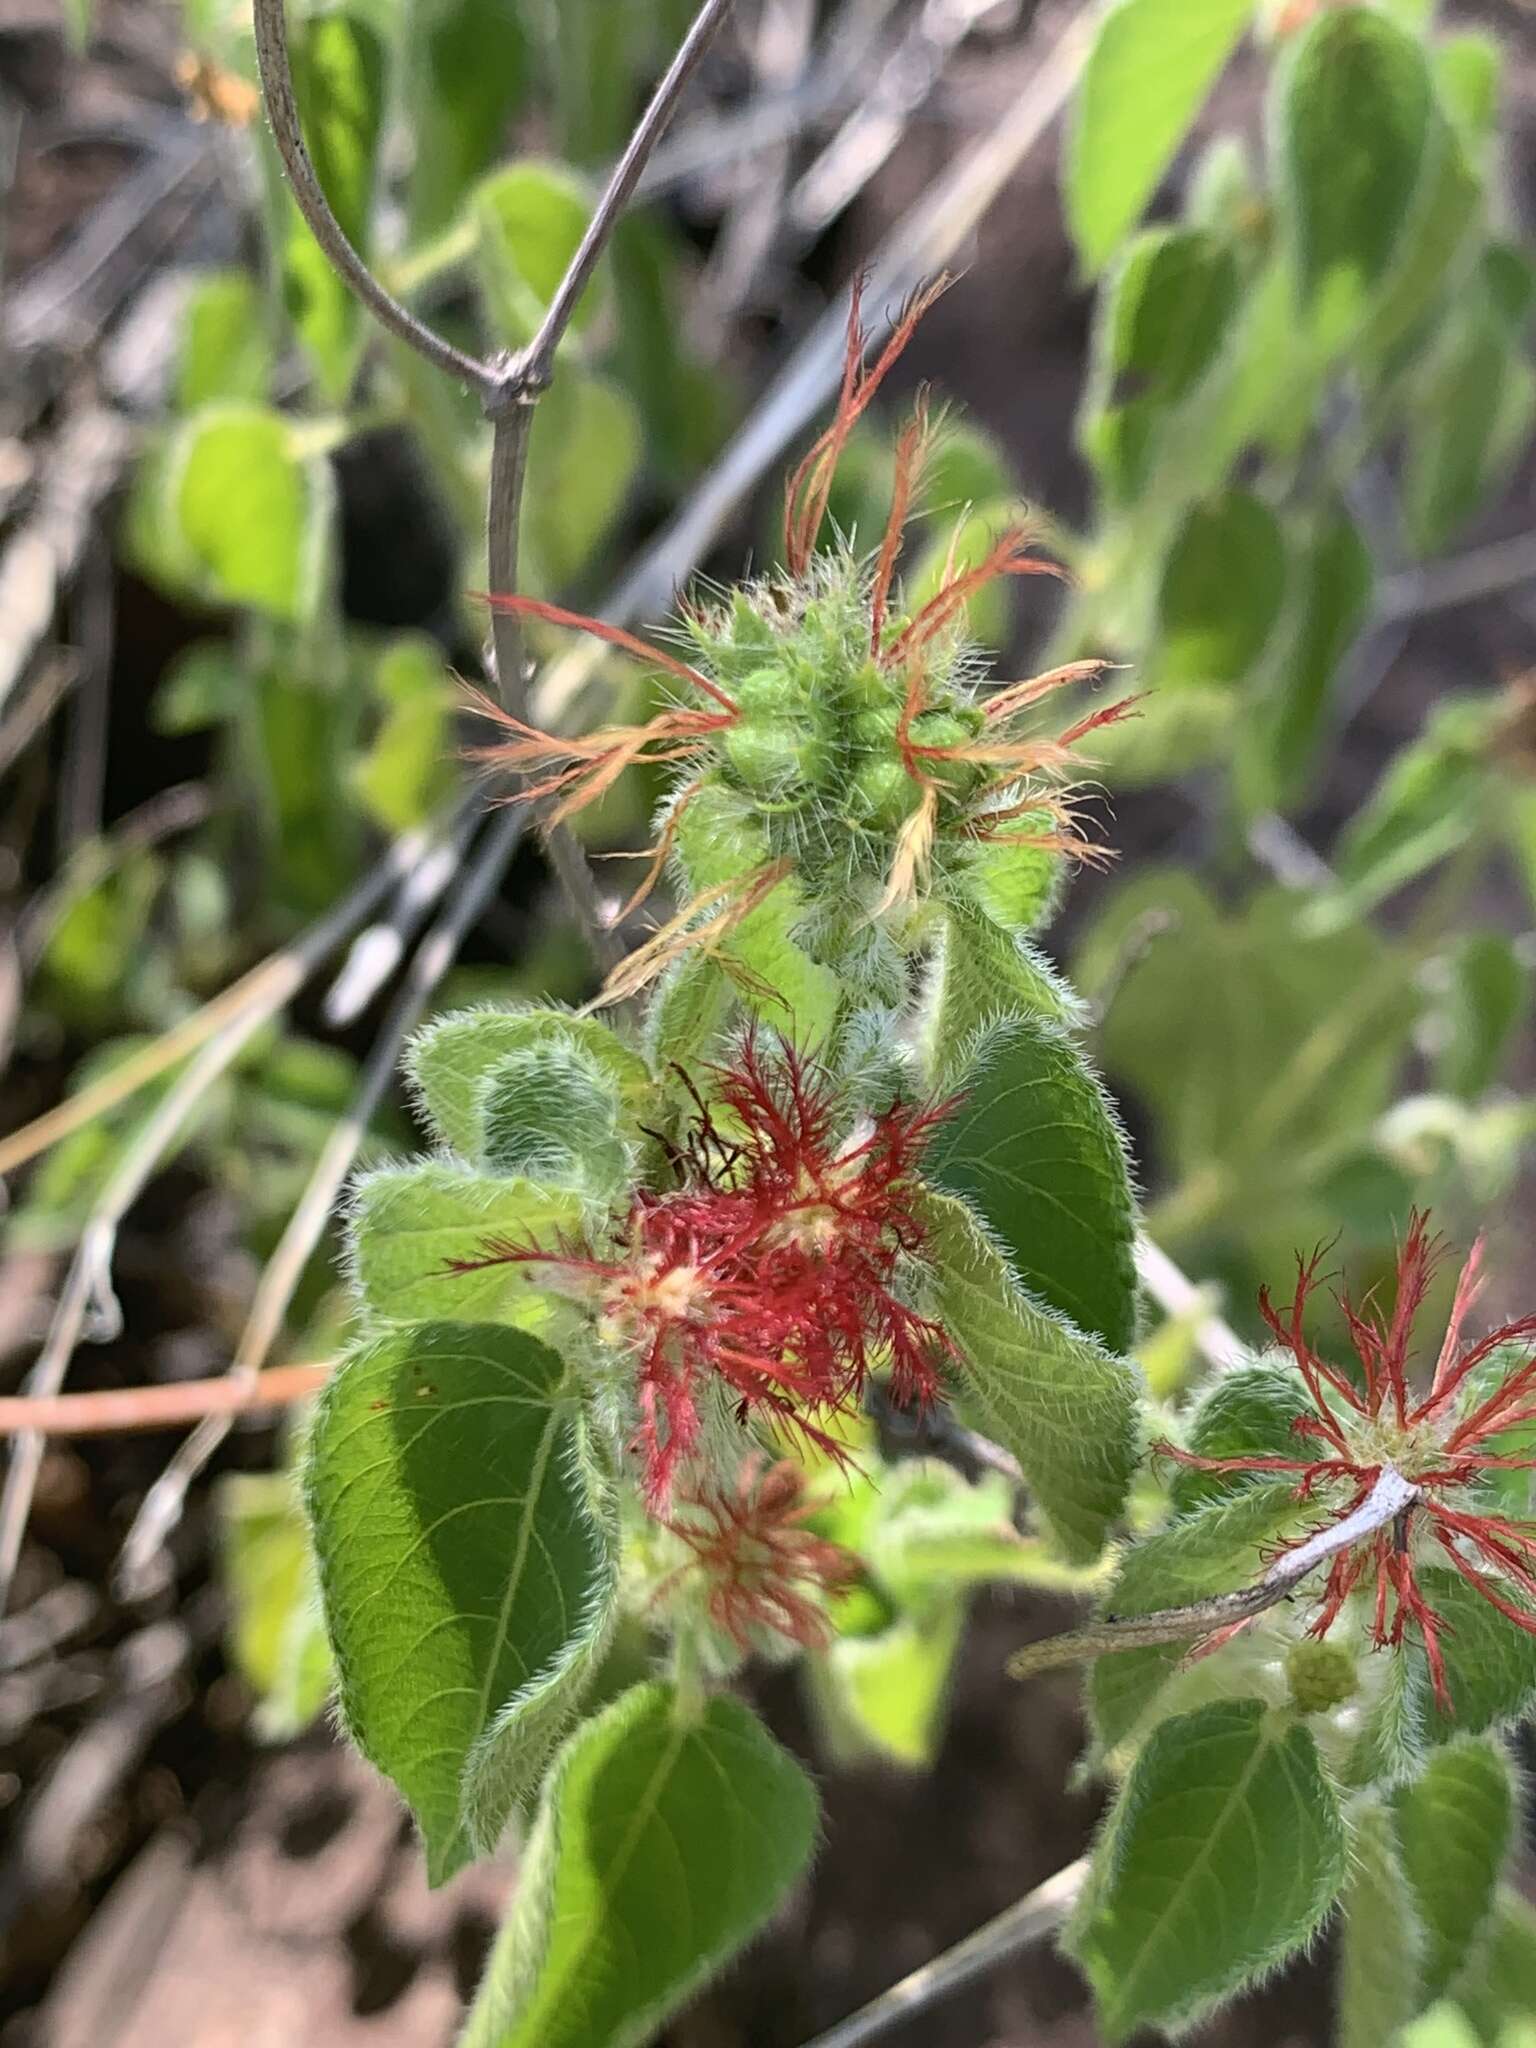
[762,1568]
[770,1268]
[1444,1443]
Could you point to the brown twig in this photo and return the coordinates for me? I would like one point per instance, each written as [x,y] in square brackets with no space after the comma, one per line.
[108,1410]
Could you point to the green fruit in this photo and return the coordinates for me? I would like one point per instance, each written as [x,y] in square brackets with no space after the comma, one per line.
[1321,1676]
[770,694]
[778,756]
[881,794]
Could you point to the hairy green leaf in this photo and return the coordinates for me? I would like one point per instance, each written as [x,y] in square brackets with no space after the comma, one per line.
[1223,1853]
[1151,66]
[1455,1827]
[720,843]
[409,1223]
[1066,1409]
[466,1565]
[449,1062]
[1034,1147]
[226,343]
[552,1113]
[1490,1664]
[982,976]
[1247,1410]
[664,1839]
[1381,1949]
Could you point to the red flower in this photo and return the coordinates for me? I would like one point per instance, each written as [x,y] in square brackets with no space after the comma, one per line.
[1442,1443]
[770,1268]
[762,1566]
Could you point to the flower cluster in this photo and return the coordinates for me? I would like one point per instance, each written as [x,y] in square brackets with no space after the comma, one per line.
[769,1269]
[852,734]
[1445,1443]
[761,1569]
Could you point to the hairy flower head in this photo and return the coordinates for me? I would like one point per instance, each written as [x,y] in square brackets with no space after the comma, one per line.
[853,733]
[768,1271]
[761,1570]
[1446,1442]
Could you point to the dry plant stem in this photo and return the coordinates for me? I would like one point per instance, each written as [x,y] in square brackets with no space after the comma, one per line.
[283,114]
[508,387]
[162,1505]
[305,953]
[919,246]
[108,1411]
[1386,1501]
[1176,1295]
[1018,1927]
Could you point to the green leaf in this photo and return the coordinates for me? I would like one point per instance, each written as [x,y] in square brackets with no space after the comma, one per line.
[884,1695]
[1222,588]
[1469,71]
[1035,1148]
[301,732]
[253,515]
[663,1842]
[1490,1664]
[1330,602]
[1438,244]
[1497,1990]
[407,772]
[1471,417]
[1455,1829]
[1428,802]
[531,218]
[1246,1411]
[983,976]
[466,1565]
[1151,66]
[409,1222]
[1223,1853]
[1163,316]
[1352,120]
[1067,1410]
[449,1062]
[1382,1942]
[203,687]
[340,76]
[932,1533]
[584,453]
[466,72]
[1230,1027]
[1486,1000]
[277,1637]
[554,1114]
[720,842]
[226,344]
[1218,1548]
